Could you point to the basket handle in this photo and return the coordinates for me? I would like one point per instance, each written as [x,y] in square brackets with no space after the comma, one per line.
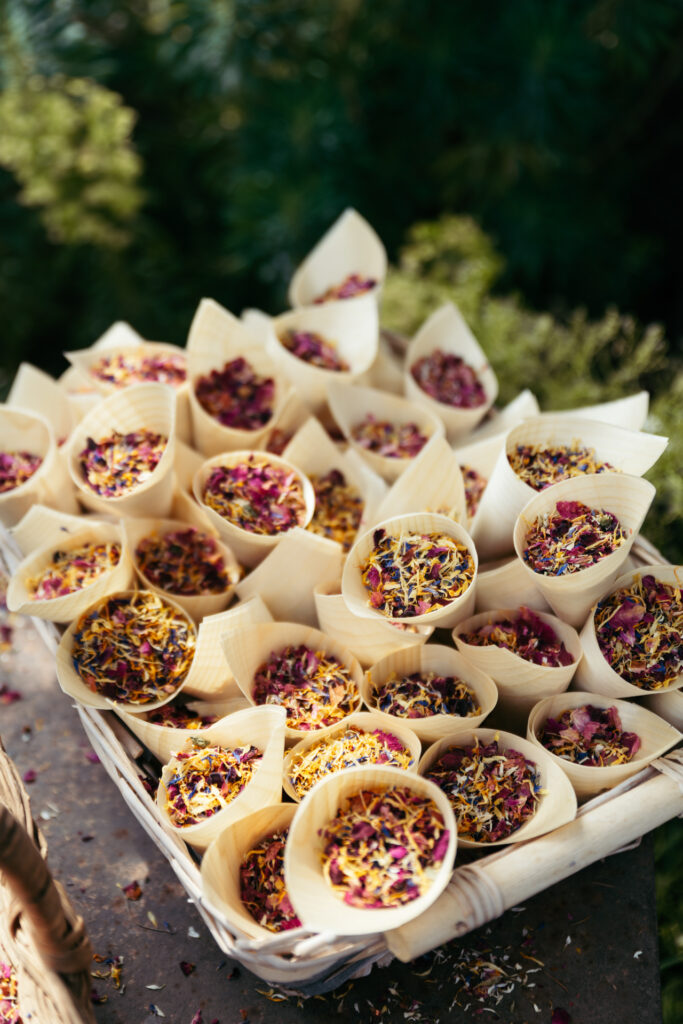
[59,934]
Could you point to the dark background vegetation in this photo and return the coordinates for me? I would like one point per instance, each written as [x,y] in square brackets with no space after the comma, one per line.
[521,158]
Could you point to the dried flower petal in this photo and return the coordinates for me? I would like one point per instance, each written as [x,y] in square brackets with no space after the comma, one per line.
[314,349]
[72,570]
[262,884]
[179,715]
[447,378]
[16,468]
[207,779]
[475,485]
[354,746]
[526,635]
[540,467]
[137,366]
[338,508]
[9,995]
[570,538]
[257,495]
[237,396]
[421,695]
[185,562]
[352,285]
[392,440]
[590,736]
[314,687]
[119,463]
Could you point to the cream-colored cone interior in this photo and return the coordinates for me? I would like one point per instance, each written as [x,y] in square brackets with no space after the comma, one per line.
[349,246]
[447,331]
[216,338]
[595,673]
[630,412]
[313,899]
[520,683]
[247,649]
[72,684]
[312,450]
[196,605]
[668,705]
[163,740]
[351,327]
[286,578]
[350,404]
[432,483]
[139,407]
[656,738]
[627,451]
[368,639]
[439,660]
[222,861]
[557,803]
[249,548]
[67,608]
[522,407]
[36,391]
[210,676]
[628,497]
[504,583]
[262,727]
[356,595]
[368,722]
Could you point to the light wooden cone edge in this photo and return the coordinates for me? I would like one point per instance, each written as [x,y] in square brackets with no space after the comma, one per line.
[349,246]
[164,740]
[627,451]
[353,329]
[23,430]
[139,407]
[368,639]
[443,661]
[350,403]
[628,497]
[504,583]
[368,721]
[249,548]
[72,684]
[556,806]
[246,649]
[313,899]
[197,605]
[656,738]
[210,677]
[446,329]
[70,606]
[628,412]
[221,864]
[432,483]
[595,673]
[262,727]
[356,596]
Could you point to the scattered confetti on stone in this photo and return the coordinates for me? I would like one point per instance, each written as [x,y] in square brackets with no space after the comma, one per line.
[8,696]
[392,440]
[639,630]
[206,779]
[560,1016]
[119,463]
[16,468]
[590,736]
[350,748]
[72,570]
[142,365]
[541,467]
[187,968]
[448,379]
[572,537]
[338,508]
[423,694]
[262,884]
[184,562]
[312,348]
[526,635]
[237,396]
[30,776]
[257,495]
[352,285]
[314,687]
[132,891]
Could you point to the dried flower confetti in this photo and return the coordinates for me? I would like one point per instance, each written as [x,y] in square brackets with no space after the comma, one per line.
[352,285]
[314,349]
[206,779]
[492,792]
[72,570]
[383,847]
[141,365]
[237,396]
[16,468]
[526,635]
[541,467]
[135,648]
[392,440]
[262,884]
[121,462]
[448,379]
[350,748]
[9,999]
[639,630]
[423,694]
[179,715]
[414,573]
[475,485]
[257,495]
[590,736]
[571,538]
[314,687]
[338,508]
[184,562]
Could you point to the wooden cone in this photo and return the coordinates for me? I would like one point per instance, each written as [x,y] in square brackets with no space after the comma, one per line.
[356,595]
[163,740]
[443,661]
[432,483]
[26,431]
[366,721]
[350,246]
[313,899]
[43,525]
[249,548]
[262,727]
[522,407]
[628,412]
[36,391]
[196,605]
[656,737]
[557,803]
[668,705]
[69,607]
[386,373]
[504,583]
[210,676]
[446,330]
[350,404]
[139,407]
[628,497]
[480,456]
[247,649]
[595,673]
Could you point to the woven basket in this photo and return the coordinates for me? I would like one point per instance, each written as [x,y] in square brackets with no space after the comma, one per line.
[40,934]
